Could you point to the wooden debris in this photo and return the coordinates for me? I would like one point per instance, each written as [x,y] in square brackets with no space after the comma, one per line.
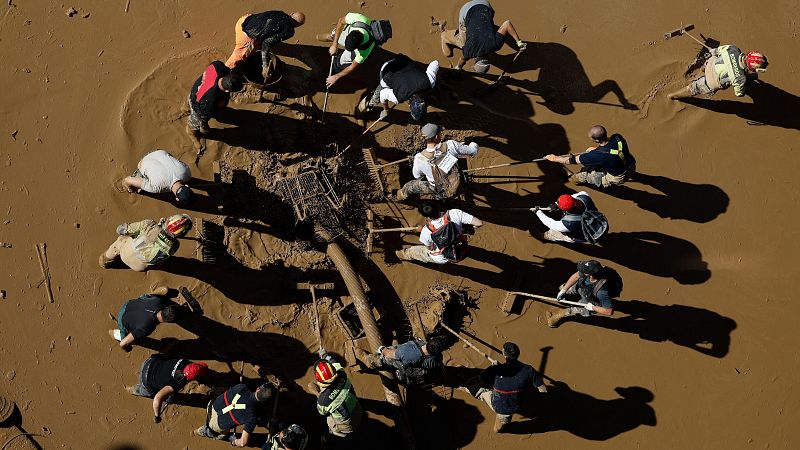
[41,252]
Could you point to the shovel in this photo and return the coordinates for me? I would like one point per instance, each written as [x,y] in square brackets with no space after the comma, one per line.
[470,344]
[327,91]
[684,30]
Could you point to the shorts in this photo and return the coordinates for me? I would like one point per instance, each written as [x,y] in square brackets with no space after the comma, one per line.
[195,122]
[244,45]
[602,179]
[700,87]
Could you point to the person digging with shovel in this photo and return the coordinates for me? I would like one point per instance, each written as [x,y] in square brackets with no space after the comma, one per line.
[610,162]
[580,220]
[435,169]
[596,284]
[502,386]
[725,66]
[442,238]
[477,36]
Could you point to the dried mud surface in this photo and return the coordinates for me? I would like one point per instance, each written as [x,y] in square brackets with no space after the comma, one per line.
[700,353]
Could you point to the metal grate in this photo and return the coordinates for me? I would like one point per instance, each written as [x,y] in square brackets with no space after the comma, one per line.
[313,199]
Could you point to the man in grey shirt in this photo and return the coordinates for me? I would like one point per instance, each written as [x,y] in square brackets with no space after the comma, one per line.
[159,172]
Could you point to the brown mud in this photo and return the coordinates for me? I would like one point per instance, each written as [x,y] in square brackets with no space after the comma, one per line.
[700,353]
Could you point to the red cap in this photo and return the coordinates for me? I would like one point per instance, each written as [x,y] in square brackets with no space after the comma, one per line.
[566,203]
[195,370]
[324,372]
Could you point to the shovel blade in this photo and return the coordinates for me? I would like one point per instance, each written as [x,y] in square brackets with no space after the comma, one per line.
[678,31]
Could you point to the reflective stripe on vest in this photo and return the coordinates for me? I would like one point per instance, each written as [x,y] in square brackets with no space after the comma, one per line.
[231,406]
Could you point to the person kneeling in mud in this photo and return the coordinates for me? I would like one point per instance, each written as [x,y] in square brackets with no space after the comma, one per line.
[412,361]
[596,284]
[236,406]
[608,163]
[161,376]
[442,237]
[401,80]
[725,66]
[435,169]
[147,244]
[210,93]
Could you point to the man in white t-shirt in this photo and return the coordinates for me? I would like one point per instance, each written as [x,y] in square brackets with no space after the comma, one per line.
[159,172]
[440,156]
[428,251]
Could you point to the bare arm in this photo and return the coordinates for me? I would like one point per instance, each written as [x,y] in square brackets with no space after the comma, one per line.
[242,441]
[159,398]
[336,34]
[477,223]
[572,280]
[132,183]
[127,342]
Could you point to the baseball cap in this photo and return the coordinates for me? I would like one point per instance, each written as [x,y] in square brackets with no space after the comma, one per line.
[510,350]
[430,130]
[184,195]
[591,267]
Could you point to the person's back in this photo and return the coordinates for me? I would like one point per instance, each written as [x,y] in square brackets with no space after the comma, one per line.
[613,157]
[206,97]
[161,170]
[269,23]
[236,406]
[509,381]
[481,39]
[405,77]
[163,371]
[139,318]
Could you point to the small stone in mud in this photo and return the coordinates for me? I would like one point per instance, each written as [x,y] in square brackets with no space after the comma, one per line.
[361,4]
[563,29]
[14,134]
[76,225]
[71,12]
[186,34]
[10,375]
[86,16]
[2,294]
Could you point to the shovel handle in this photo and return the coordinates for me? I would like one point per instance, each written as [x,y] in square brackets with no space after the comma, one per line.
[387,230]
[470,344]
[552,299]
[503,165]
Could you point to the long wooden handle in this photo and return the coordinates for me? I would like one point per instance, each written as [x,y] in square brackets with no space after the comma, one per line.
[698,40]
[381,166]
[470,344]
[387,230]
[503,165]
[552,299]
[316,318]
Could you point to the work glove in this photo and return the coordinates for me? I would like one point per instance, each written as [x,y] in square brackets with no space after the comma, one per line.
[561,294]
[553,207]
[384,114]
[589,307]
[322,353]
[157,419]
[380,350]
[122,228]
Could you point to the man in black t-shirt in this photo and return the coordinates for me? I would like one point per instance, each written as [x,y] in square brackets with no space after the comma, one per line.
[608,163]
[160,377]
[236,406]
[503,385]
[138,318]
[477,36]
[260,32]
[210,93]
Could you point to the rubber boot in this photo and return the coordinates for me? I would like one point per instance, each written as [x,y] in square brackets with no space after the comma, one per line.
[681,93]
[324,37]
[369,359]
[400,195]
[554,319]
[401,255]
[497,424]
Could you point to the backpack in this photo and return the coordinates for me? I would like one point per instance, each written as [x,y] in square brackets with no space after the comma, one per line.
[594,225]
[453,244]
[613,282]
[379,31]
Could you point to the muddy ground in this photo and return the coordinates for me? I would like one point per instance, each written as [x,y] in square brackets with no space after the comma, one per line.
[698,355]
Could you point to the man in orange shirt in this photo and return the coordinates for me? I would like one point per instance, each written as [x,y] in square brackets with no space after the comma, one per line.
[260,32]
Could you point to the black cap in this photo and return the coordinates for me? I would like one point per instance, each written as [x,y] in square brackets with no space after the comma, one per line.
[184,195]
[511,350]
[590,267]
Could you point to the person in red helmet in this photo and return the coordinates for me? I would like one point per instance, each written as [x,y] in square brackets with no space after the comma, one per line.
[160,377]
[570,227]
[336,396]
[147,244]
[725,66]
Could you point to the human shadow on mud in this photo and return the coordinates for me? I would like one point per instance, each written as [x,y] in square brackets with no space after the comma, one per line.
[696,328]
[673,200]
[562,80]
[771,106]
[651,252]
[584,416]
[267,286]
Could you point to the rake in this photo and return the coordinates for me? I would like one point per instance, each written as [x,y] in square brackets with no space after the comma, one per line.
[509,301]
[375,169]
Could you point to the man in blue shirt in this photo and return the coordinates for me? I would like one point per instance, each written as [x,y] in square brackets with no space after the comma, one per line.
[596,284]
[411,361]
[609,162]
[505,385]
